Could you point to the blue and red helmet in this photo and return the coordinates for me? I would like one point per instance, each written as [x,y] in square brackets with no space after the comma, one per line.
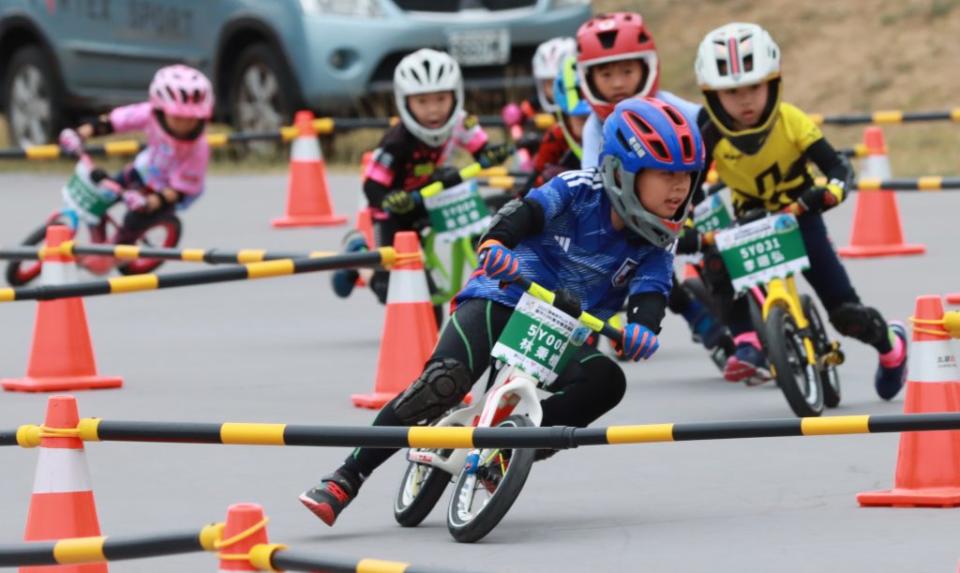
[646,133]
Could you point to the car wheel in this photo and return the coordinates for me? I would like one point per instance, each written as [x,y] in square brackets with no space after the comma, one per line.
[33,98]
[261,92]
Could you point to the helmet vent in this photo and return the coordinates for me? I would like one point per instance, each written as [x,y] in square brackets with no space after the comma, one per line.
[644,38]
[607,39]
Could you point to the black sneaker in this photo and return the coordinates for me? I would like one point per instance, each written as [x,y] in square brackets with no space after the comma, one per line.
[328,499]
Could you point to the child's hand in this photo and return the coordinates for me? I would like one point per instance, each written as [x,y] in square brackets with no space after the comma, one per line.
[499,262]
[134,200]
[638,342]
[400,202]
[819,198]
[70,142]
[689,241]
[447,175]
[492,155]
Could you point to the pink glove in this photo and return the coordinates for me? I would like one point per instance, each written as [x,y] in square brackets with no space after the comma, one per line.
[70,141]
[134,200]
[511,115]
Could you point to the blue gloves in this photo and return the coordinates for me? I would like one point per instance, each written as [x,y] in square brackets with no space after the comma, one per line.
[639,342]
[499,262]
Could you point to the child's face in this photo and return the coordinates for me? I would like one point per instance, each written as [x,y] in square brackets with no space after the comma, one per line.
[575,124]
[431,110]
[744,104]
[662,192]
[616,81]
[548,89]
[181,126]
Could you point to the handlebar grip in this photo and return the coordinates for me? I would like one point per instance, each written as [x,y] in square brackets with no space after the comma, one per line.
[594,323]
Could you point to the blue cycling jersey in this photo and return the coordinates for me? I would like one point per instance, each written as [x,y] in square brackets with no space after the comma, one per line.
[579,250]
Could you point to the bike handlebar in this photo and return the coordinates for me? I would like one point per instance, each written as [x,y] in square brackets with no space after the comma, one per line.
[468,172]
[593,323]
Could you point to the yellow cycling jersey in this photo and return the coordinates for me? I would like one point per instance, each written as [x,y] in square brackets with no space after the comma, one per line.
[777,174]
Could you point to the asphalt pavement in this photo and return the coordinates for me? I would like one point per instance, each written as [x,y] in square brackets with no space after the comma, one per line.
[287,350]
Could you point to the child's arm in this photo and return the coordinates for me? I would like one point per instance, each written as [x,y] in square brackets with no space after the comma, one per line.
[382,175]
[838,171]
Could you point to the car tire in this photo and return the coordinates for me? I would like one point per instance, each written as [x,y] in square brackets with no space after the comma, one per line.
[33,97]
[262,94]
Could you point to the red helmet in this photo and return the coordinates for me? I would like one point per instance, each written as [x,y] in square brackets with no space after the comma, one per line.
[611,38]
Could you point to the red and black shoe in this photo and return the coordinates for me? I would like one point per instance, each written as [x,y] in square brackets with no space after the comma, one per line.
[328,499]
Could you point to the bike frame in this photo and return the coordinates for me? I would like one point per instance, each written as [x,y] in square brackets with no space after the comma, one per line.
[513,392]
[461,256]
[783,292]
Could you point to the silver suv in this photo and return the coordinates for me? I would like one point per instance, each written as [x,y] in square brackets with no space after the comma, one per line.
[64,58]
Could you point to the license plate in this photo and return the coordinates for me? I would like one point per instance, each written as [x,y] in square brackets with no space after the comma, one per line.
[480,47]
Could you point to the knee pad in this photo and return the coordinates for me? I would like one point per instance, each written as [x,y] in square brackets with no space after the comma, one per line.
[441,386]
[858,321]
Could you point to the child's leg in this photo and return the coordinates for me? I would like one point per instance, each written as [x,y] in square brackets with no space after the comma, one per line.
[847,314]
[829,279]
[460,359]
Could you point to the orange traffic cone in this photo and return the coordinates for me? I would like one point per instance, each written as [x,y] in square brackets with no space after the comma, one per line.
[308,199]
[62,503]
[61,358]
[245,528]
[410,325]
[928,463]
[877,231]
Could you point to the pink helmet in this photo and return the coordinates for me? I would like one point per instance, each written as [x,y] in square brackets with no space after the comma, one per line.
[182,91]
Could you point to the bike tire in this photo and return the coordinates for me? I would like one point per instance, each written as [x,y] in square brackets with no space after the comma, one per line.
[143,266]
[829,374]
[431,490]
[798,380]
[22,273]
[496,507]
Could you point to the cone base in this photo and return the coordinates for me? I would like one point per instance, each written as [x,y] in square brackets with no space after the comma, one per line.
[903,497]
[864,251]
[373,401]
[288,221]
[60,384]
[954,298]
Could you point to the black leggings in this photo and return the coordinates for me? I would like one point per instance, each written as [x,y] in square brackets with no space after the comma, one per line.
[589,386]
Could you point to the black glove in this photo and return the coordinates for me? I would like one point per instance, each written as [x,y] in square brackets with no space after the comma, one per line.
[492,155]
[566,301]
[820,198]
[530,142]
[446,175]
[689,241]
[401,202]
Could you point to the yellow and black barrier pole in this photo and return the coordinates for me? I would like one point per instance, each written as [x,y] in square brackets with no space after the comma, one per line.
[384,256]
[131,252]
[557,437]
[104,549]
[887,117]
[286,560]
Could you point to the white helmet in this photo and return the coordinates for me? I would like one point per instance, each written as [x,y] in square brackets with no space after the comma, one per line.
[546,65]
[733,56]
[427,71]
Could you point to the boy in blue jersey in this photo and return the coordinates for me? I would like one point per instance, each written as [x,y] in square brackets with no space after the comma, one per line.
[600,237]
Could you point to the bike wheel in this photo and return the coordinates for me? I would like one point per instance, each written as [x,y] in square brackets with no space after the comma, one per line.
[798,379]
[420,490]
[756,318]
[164,232]
[481,498]
[829,374]
[21,273]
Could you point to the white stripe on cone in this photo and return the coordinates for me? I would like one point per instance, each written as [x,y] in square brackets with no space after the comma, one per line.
[932,361]
[61,470]
[305,148]
[408,285]
[876,166]
[57,273]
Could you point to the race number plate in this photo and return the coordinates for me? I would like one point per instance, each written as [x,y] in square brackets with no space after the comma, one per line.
[536,339]
[713,214]
[763,250]
[480,47]
[457,212]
